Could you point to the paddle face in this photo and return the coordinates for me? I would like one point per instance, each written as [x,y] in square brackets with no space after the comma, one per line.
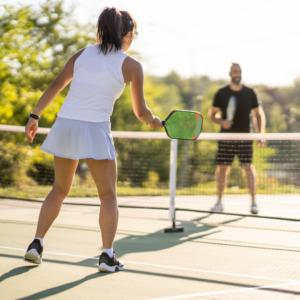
[183,124]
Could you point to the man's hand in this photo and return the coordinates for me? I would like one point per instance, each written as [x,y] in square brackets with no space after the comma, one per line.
[156,123]
[31,129]
[226,124]
[261,144]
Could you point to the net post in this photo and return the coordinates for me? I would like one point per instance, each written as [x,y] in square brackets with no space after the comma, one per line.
[172,186]
[172,182]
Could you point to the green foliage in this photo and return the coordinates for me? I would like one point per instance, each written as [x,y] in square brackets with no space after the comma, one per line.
[136,158]
[197,94]
[13,162]
[209,126]
[160,97]
[201,161]
[277,120]
[123,117]
[41,167]
[35,45]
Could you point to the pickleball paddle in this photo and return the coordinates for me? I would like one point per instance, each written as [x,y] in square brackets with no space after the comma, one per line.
[183,124]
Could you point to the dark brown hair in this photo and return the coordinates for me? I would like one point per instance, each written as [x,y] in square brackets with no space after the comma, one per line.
[128,23]
[112,26]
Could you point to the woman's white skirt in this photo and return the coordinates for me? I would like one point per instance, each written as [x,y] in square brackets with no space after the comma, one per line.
[76,139]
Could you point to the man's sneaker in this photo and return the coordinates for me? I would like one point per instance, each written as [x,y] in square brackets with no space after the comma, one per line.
[218,207]
[34,252]
[110,264]
[254,208]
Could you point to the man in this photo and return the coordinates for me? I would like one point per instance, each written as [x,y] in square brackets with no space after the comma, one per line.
[235,102]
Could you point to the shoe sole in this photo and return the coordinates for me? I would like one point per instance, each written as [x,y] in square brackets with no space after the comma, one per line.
[103,267]
[33,257]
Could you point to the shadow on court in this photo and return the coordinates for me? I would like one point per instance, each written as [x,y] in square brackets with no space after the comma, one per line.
[89,263]
[134,243]
[160,240]
[95,275]
[16,271]
[62,288]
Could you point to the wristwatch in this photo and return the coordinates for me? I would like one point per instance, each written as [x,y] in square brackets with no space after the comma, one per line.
[31,115]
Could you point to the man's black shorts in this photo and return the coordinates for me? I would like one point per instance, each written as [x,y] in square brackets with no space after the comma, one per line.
[228,149]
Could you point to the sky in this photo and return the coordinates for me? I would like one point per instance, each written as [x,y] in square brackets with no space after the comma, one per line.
[203,37]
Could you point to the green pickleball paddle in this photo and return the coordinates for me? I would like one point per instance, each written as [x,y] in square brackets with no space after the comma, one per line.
[183,124]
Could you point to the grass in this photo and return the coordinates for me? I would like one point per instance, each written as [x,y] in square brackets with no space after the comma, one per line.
[88,189]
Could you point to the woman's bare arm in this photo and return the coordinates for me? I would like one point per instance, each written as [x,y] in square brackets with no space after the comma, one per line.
[60,82]
[133,73]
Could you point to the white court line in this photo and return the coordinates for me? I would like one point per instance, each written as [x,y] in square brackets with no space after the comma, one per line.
[161,266]
[227,291]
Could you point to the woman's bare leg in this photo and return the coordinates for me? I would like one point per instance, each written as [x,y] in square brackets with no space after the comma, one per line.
[64,175]
[104,173]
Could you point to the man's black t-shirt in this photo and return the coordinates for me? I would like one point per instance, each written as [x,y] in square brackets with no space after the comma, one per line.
[245,100]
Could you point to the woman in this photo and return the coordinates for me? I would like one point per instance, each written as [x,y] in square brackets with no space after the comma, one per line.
[82,130]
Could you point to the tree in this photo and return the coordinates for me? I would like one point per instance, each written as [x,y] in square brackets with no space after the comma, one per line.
[35,45]
[160,98]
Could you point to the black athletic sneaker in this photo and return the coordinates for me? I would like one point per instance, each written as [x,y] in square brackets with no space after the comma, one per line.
[110,264]
[34,252]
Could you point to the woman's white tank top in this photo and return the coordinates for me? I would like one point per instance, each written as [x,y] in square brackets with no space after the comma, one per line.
[97,83]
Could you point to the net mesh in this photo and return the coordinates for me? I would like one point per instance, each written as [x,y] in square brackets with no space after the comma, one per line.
[143,177]
[275,172]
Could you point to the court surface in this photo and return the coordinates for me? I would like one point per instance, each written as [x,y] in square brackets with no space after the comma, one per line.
[204,262]
[279,205]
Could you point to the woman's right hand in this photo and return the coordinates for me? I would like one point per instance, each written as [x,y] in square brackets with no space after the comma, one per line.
[156,123]
[31,129]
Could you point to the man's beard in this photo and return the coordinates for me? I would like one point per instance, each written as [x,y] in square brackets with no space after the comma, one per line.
[236,80]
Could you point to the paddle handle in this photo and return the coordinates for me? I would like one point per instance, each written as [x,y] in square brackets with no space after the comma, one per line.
[162,122]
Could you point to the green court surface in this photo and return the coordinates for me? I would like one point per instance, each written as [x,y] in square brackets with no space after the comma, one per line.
[205,261]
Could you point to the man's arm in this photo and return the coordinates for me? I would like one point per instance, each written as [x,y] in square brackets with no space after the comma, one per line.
[215,117]
[259,119]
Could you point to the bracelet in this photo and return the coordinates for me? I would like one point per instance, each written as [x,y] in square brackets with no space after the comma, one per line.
[31,115]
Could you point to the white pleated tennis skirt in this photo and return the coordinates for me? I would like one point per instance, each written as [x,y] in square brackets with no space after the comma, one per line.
[76,139]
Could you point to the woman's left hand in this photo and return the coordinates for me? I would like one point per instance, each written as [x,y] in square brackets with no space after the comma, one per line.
[31,129]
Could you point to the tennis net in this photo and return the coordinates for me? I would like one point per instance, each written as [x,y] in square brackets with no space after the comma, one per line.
[145,163]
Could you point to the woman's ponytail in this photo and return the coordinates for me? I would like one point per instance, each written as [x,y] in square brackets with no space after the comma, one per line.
[112,26]
[109,30]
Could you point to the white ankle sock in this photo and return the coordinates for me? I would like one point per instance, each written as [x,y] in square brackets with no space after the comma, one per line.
[41,240]
[110,252]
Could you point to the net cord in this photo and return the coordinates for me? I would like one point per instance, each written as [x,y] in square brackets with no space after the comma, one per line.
[163,135]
